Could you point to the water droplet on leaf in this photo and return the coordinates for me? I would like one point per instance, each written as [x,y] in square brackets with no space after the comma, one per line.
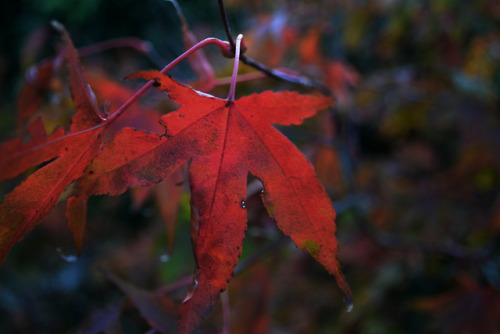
[263,190]
[243,204]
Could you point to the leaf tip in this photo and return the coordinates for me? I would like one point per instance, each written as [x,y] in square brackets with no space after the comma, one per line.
[346,290]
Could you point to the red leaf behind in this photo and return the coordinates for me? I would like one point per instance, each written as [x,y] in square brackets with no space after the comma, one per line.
[33,199]
[17,156]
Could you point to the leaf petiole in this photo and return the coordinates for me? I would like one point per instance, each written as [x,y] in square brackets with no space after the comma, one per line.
[232,88]
[225,48]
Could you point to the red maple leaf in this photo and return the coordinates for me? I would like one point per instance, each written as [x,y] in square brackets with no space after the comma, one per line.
[224,141]
[32,200]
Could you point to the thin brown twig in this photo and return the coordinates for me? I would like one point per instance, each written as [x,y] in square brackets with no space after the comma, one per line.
[272,73]
[223,15]
[283,76]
